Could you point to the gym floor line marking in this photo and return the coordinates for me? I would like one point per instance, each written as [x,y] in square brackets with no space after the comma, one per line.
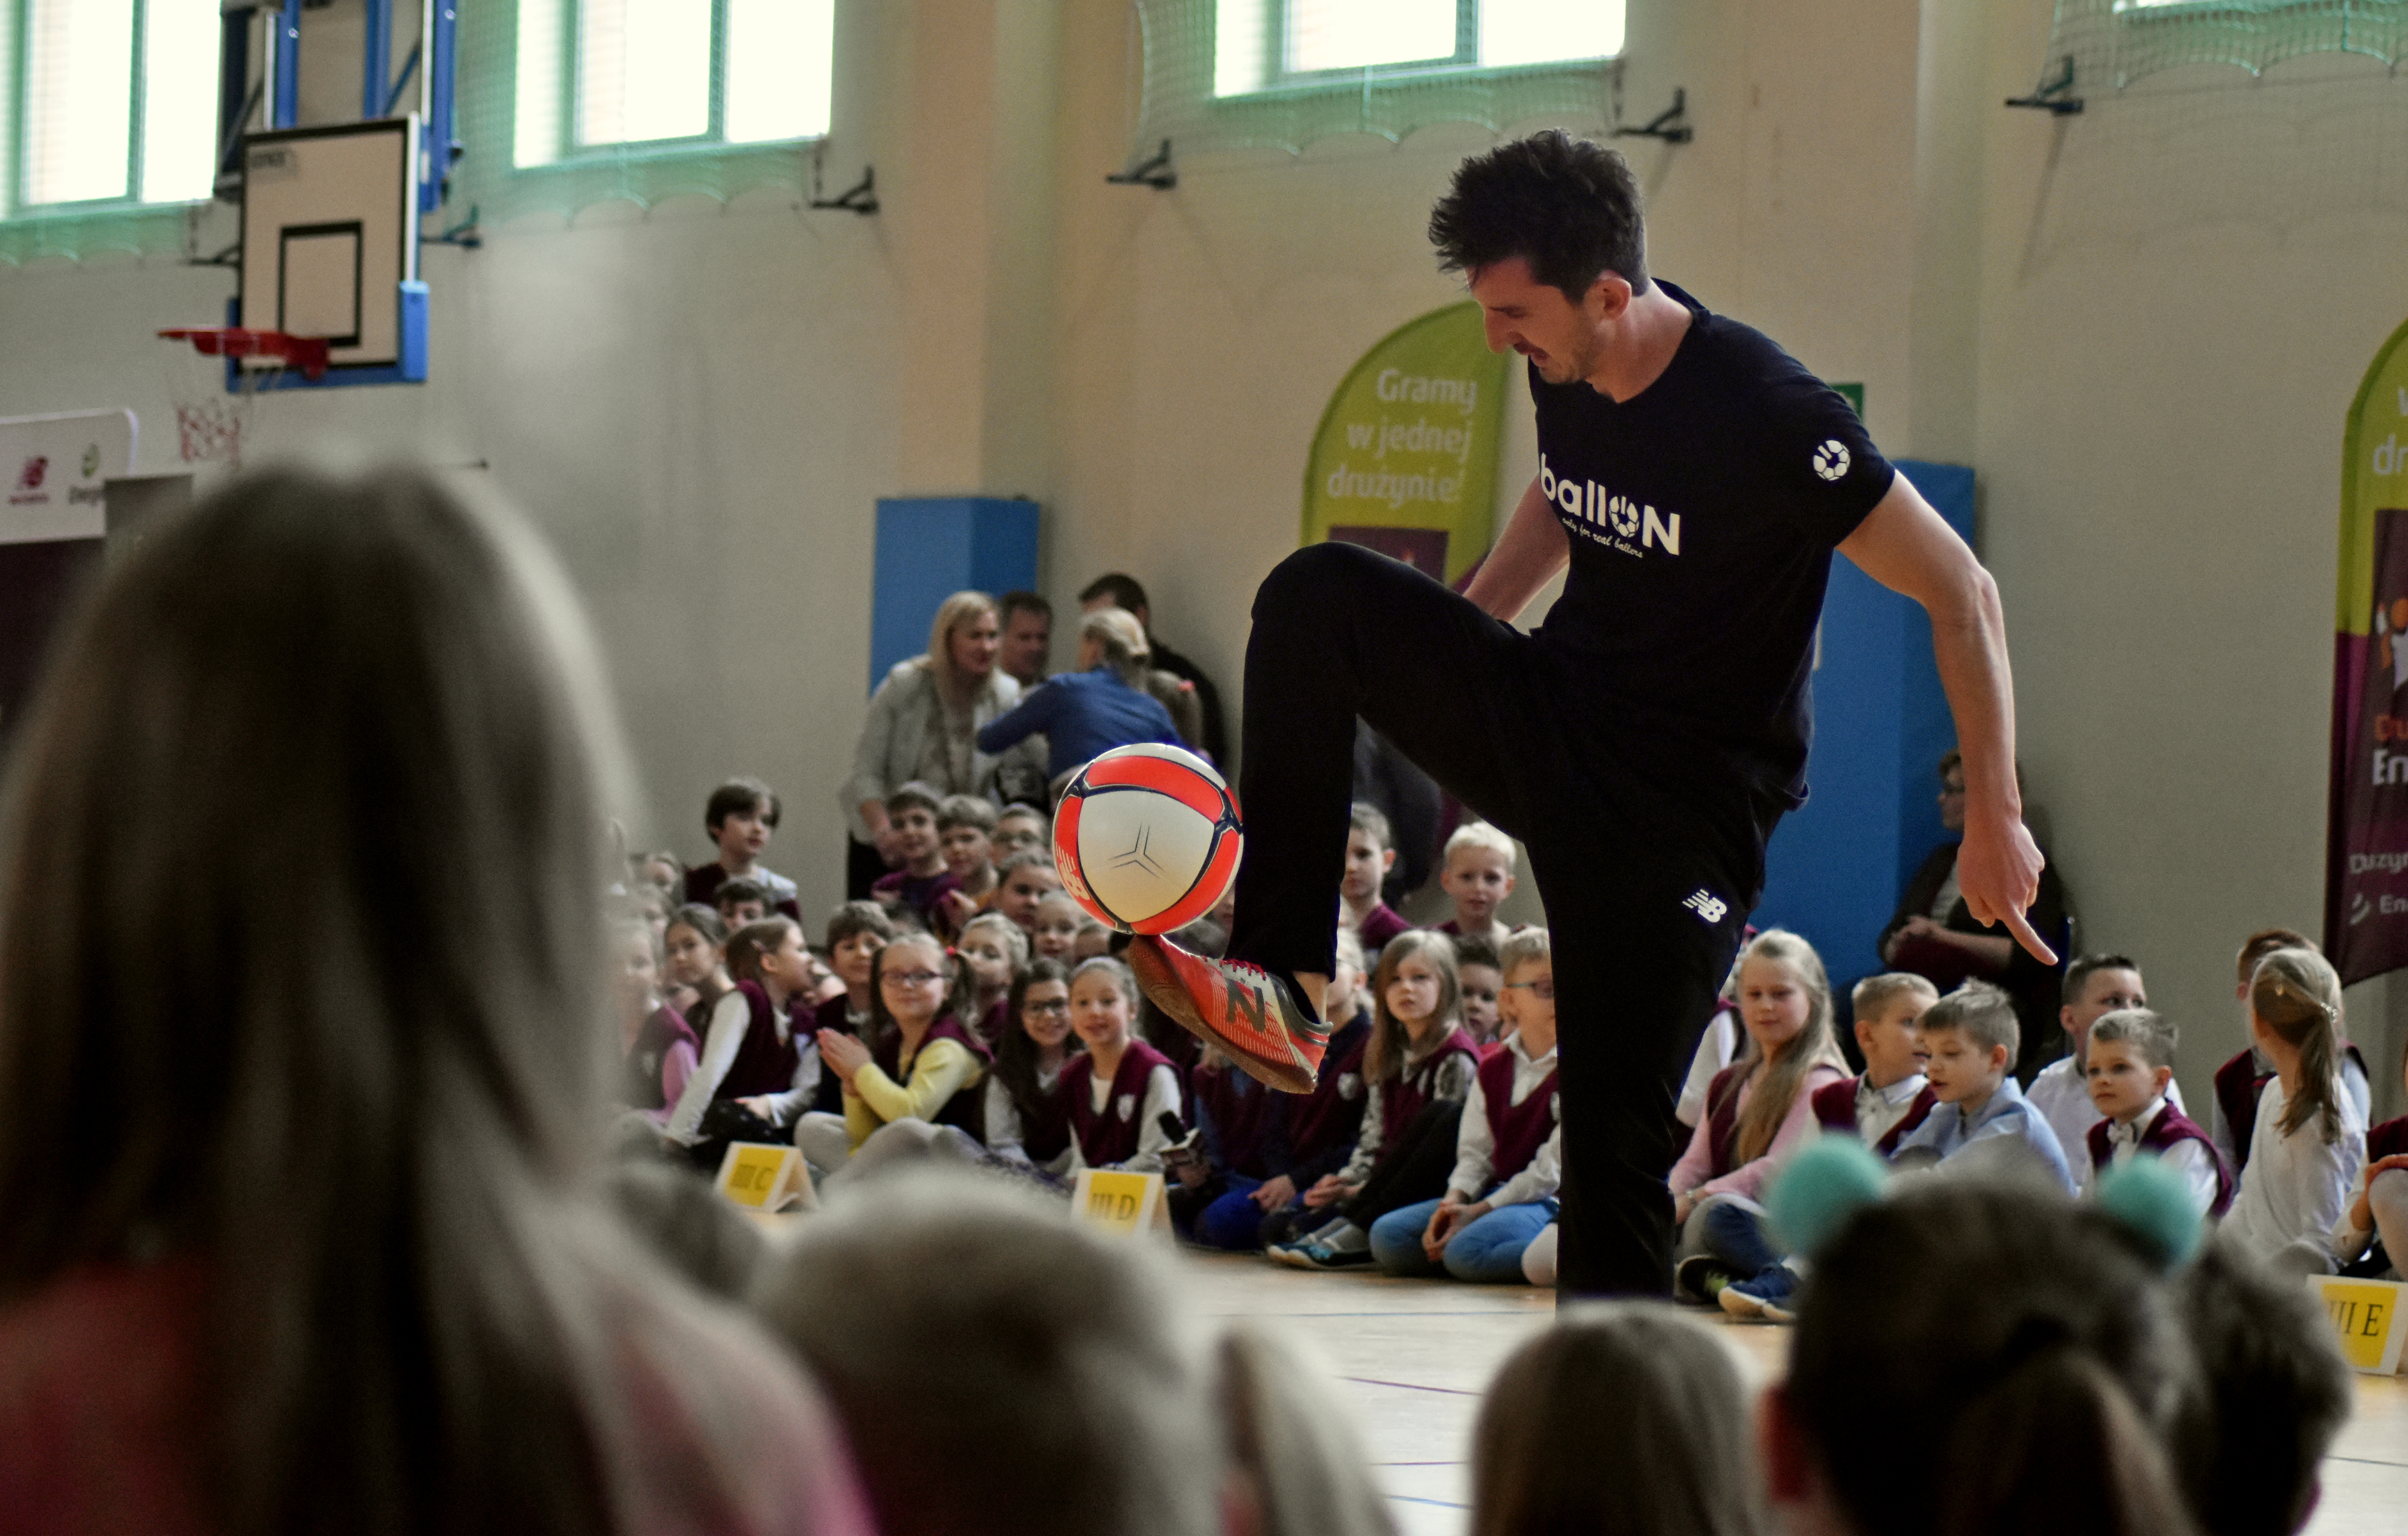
[1409,1386]
[1409,1498]
[2361,1460]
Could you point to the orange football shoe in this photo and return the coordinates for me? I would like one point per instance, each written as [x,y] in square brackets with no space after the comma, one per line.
[1259,1020]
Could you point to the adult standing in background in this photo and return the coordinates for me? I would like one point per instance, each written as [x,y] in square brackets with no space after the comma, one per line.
[1935,935]
[924,724]
[1116,590]
[1028,651]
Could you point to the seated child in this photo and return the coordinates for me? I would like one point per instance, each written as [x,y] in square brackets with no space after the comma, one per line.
[1420,1065]
[663,871]
[1018,829]
[1509,1150]
[2276,1393]
[2095,985]
[857,931]
[2131,1057]
[1241,1138]
[995,950]
[1759,1107]
[1892,1096]
[1322,1126]
[1000,1368]
[757,1072]
[920,885]
[1094,941]
[917,1073]
[1477,972]
[742,901]
[1370,850]
[2240,1081]
[696,945]
[656,1046]
[965,837]
[2378,1207]
[1025,878]
[1120,1090]
[1982,1117]
[1477,877]
[1027,1112]
[1978,1357]
[741,815]
[2308,1141]
[1055,934]
[1625,1418]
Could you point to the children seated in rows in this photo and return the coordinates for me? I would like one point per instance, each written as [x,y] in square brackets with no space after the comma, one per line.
[1017,829]
[1370,850]
[2095,985]
[1025,878]
[2371,1237]
[920,886]
[694,946]
[2130,1053]
[965,841]
[1509,1150]
[919,1062]
[1478,973]
[1027,1113]
[758,1070]
[1241,1138]
[2239,1081]
[1121,1089]
[740,816]
[997,952]
[1891,1096]
[1420,1065]
[1970,1038]
[2308,1139]
[1055,933]
[1477,876]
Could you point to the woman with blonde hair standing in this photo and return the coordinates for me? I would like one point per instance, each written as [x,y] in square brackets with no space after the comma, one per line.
[922,725]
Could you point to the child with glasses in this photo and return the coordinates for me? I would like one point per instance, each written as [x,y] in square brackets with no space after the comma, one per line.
[919,1070]
[1027,1111]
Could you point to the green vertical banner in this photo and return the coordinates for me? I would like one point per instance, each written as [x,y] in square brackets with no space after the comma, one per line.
[2366,862]
[1405,460]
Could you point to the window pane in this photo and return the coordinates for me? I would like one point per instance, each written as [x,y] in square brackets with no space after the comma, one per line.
[535,133]
[1349,33]
[1242,59]
[781,59]
[79,98]
[179,100]
[643,70]
[1539,31]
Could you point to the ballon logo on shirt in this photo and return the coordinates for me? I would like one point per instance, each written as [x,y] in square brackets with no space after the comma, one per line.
[1831,459]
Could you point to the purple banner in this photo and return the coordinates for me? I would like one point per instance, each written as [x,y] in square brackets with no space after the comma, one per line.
[2366,875]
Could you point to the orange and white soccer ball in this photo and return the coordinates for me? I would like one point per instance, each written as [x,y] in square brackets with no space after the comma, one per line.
[1147,837]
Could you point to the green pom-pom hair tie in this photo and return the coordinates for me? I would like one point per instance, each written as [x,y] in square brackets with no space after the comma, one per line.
[2150,1199]
[1826,1182]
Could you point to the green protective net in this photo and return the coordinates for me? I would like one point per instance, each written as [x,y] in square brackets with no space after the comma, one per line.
[2112,43]
[1215,77]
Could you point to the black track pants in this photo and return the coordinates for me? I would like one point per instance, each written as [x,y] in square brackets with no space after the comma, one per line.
[1648,876]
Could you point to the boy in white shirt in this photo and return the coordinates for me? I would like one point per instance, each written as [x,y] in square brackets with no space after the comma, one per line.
[2095,987]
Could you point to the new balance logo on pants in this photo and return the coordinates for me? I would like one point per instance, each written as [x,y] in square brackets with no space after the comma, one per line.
[1707,905]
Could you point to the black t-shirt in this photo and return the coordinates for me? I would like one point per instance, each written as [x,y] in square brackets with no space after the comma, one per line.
[1702,513]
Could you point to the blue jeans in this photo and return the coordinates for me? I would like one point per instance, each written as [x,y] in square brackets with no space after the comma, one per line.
[1486,1252]
[1736,1235]
[1234,1221]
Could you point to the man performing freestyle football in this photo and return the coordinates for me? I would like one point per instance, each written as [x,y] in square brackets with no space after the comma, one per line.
[1645,741]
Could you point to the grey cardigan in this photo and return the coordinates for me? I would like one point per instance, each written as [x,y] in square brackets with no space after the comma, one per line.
[904,715]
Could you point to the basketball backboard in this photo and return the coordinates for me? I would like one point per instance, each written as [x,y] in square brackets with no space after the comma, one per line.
[330,244]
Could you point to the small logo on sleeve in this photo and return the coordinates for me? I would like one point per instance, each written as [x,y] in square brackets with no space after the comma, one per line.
[1831,459]
[1708,906]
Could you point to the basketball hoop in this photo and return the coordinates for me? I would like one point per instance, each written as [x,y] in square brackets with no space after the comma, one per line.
[209,416]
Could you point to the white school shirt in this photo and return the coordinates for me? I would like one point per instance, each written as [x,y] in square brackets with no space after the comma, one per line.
[1475,1144]
[1717,1048]
[1878,1109]
[2297,1186]
[1161,1094]
[730,1017]
[2190,1158]
[1003,1118]
[2062,1095]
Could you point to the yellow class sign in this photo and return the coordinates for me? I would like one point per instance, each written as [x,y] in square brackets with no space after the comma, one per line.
[2366,1319]
[764,1176]
[1120,1202]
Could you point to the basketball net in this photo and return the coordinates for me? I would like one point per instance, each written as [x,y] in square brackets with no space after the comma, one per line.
[211,419]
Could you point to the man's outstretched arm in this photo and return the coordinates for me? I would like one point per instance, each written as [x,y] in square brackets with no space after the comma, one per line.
[1906,546]
[1534,548]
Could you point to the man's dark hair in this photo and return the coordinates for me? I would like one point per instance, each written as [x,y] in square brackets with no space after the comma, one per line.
[1124,591]
[2078,972]
[738,795]
[1020,602]
[1568,207]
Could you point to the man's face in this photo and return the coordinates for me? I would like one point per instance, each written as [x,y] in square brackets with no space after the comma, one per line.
[2103,992]
[1144,617]
[1535,319]
[1027,644]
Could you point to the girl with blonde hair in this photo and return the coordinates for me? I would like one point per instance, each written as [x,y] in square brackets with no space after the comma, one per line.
[2310,1138]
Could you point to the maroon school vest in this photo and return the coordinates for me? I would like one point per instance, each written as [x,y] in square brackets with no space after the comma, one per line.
[1722,1119]
[2388,1140]
[662,1031]
[1045,1125]
[2239,1084]
[1835,1110]
[1404,1097]
[1331,1117]
[2169,1127]
[1248,1116]
[1519,1129]
[1110,1138]
[962,1109]
[763,1064]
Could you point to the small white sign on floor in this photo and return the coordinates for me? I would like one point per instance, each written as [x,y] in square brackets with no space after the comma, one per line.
[53,473]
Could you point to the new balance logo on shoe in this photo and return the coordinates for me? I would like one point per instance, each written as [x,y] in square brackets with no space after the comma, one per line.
[1253,1005]
[1707,905]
